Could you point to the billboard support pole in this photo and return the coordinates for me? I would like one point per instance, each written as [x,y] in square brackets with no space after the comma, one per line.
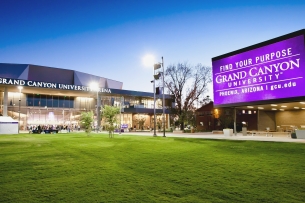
[235,121]
[257,119]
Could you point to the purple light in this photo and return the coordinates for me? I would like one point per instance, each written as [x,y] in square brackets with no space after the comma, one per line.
[273,71]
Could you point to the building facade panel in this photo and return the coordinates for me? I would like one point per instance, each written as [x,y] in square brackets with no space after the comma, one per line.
[12,70]
[47,74]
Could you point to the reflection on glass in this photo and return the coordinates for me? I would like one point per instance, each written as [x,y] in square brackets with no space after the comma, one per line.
[49,101]
[36,100]
[61,100]
[29,99]
[55,101]
[71,102]
[43,100]
[66,102]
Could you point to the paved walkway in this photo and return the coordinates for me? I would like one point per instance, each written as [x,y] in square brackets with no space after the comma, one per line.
[208,135]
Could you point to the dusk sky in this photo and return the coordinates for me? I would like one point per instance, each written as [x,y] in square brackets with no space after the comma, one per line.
[110,38]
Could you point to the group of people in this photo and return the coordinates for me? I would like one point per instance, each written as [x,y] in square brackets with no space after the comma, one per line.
[69,128]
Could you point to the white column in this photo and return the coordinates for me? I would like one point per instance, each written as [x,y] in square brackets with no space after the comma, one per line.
[168,122]
[98,111]
[26,119]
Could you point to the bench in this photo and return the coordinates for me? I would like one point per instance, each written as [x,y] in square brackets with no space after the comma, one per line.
[178,131]
[217,132]
[268,133]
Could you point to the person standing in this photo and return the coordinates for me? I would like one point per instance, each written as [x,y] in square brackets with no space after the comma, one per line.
[39,129]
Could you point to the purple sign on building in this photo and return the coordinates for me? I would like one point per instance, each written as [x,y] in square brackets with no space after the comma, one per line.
[124,126]
[273,71]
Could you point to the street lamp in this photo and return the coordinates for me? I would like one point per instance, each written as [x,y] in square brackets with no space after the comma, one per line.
[153,81]
[163,99]
[157,66]
[20,88]
[95,87]
[121,101]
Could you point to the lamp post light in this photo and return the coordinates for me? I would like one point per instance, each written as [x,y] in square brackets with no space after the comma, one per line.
[20,88]
[163,91]
[121,101]
[153,81]
[157,66]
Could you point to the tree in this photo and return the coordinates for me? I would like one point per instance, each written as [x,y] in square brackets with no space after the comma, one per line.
[190,118]
[86,120]
[110,115]
[226,117]
[188,84]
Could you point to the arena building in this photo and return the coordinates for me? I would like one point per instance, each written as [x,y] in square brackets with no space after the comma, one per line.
[39,95]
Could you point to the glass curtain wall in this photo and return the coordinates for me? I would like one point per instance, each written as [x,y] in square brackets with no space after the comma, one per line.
[38,109]
[138,102]
[49,101]
[41,109]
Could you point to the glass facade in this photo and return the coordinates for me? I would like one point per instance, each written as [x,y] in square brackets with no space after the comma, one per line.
[42,109]
[138,102]
[48,101]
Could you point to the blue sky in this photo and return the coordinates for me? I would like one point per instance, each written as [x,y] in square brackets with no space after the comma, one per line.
[110,38]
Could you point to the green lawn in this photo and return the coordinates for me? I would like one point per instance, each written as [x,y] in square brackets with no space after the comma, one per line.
[77,168]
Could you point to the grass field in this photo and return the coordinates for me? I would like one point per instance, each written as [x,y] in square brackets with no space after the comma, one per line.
[77,168]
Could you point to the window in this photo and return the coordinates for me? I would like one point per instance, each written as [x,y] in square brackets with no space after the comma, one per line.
[29,99]
[200,113]
[37,100]
[61,101]
[43,100]
[49,101]
[55,101]
[70,101]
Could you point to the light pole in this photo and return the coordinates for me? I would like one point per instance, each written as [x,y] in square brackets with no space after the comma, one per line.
[121,101]
[20,88]
[163,91]
[153,81]
[157,66]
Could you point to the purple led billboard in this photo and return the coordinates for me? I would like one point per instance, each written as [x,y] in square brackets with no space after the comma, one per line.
[270,72]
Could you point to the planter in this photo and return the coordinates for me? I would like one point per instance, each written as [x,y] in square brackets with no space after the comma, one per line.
[300,134]
[228,132]
[244,131]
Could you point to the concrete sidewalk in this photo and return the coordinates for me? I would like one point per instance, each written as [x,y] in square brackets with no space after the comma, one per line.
[209,135]
[204,135]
